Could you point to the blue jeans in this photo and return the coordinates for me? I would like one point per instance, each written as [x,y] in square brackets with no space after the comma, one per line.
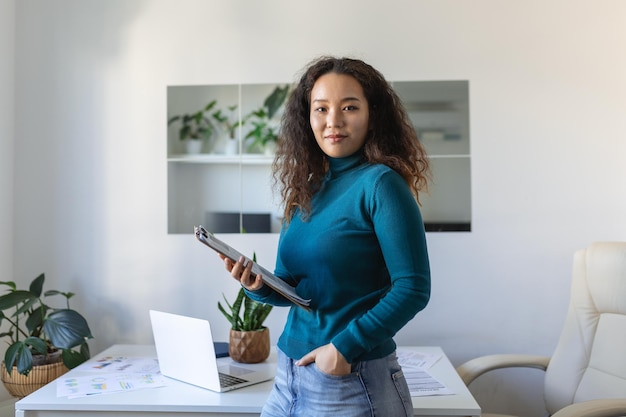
[375,388]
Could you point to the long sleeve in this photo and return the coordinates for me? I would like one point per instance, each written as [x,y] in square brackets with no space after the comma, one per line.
[400,232]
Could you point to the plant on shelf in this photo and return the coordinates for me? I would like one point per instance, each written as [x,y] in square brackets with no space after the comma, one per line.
[264,129]
[195,127]
[228,120]
[249,340]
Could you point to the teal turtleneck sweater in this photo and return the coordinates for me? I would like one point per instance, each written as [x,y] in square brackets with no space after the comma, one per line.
[360,257]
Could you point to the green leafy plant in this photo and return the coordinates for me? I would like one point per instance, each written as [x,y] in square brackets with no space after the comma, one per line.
[35,328]
[263,131]
[228,120]
[196,126]
[254,312]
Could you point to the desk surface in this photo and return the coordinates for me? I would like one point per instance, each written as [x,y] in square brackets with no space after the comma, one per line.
[181,398]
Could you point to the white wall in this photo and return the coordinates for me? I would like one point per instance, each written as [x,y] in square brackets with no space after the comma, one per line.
[7,116]
[547,99]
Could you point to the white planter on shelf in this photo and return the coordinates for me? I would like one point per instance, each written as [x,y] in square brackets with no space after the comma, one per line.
[269,149]
[193,146]
[231,147]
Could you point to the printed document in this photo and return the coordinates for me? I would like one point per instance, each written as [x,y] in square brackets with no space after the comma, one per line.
[415,366]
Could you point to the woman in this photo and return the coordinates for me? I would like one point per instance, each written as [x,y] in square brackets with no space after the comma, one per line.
[349,167]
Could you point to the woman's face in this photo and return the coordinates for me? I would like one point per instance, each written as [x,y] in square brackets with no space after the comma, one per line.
[339,114]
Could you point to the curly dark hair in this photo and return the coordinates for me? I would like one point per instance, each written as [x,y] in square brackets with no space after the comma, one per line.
[300,165]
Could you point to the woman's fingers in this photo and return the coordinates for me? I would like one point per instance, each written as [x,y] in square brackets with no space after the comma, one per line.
[242,272]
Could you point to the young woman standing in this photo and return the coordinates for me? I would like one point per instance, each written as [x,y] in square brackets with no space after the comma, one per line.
[350,169]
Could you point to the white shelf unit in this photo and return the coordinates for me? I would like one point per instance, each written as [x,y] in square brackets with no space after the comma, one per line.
[207,158]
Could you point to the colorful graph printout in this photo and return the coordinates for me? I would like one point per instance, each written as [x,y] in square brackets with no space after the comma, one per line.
[111,374]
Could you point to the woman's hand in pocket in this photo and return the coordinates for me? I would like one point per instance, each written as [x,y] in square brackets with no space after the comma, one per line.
[328,360]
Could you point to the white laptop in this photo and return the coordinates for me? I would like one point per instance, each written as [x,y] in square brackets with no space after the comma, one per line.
[200,367]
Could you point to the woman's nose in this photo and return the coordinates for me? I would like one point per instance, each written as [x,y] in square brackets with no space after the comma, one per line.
[334,118]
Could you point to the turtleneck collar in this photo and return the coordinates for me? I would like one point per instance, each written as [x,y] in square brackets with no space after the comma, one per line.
[337,166]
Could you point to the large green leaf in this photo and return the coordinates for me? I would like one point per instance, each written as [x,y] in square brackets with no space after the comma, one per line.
[14,298]
[10,356]
[10,284]
[38,345]
[19,354]
[73,358]
[24,362]
[66,328]
[275,100]
[36,287]
[84,350]
[36,318]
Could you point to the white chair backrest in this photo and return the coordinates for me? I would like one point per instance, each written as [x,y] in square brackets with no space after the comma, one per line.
[590,358]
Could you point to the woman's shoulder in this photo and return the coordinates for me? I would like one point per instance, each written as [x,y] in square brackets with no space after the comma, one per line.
[380,172]
[381,185]
[380,179]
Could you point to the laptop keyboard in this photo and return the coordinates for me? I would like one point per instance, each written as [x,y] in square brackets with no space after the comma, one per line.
[229,380]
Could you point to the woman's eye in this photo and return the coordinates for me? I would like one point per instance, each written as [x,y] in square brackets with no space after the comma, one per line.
[319,109]
[349,108]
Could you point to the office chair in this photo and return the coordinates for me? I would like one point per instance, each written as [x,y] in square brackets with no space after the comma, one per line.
[586,374]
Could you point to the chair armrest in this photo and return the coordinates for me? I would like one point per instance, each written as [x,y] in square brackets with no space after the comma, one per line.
[594,408]
[473,368]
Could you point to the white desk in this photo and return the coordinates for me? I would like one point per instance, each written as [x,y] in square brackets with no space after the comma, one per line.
[187,400]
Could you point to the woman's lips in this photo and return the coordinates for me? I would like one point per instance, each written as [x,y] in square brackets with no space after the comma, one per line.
[335,137]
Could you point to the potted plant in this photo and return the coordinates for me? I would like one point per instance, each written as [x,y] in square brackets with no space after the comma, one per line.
[40,337]
[264,132]
[228,122]
[195,127]
[249,340]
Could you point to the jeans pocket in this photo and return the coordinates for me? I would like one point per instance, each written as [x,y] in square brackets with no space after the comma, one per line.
[403,391]
[324,394]
[317,370]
